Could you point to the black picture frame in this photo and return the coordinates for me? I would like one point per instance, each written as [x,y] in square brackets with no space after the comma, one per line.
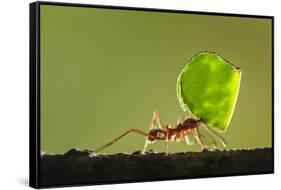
[34,98]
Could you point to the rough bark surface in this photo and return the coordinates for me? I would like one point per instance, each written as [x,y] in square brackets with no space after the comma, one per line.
[85,167]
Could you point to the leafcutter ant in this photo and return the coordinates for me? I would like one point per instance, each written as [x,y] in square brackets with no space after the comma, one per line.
[184,128]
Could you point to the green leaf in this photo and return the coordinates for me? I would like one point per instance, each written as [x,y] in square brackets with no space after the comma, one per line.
[208,87]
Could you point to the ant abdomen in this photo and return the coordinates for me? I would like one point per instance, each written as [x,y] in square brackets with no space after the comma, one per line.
[156,134]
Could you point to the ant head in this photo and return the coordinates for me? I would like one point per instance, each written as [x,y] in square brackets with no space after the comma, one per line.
[192,122]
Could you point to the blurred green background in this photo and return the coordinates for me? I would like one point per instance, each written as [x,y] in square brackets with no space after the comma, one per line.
[104,71]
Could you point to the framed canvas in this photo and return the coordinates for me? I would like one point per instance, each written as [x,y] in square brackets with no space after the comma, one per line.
[121,94]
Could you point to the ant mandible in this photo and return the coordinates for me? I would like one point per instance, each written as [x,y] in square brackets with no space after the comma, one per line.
[168,134]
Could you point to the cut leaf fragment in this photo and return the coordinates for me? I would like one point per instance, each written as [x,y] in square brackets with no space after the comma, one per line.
[208,87]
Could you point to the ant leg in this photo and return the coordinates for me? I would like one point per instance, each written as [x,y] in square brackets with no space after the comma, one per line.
[167,146]
[151,125]
[159,123]
[152,122]
[119,137]
[212,142]
[196,134]
[146,139]
[188,142]
[212,131]
[145,146]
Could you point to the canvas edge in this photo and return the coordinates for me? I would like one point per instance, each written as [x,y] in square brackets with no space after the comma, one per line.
[153,9]
[34,95]
[272,91]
